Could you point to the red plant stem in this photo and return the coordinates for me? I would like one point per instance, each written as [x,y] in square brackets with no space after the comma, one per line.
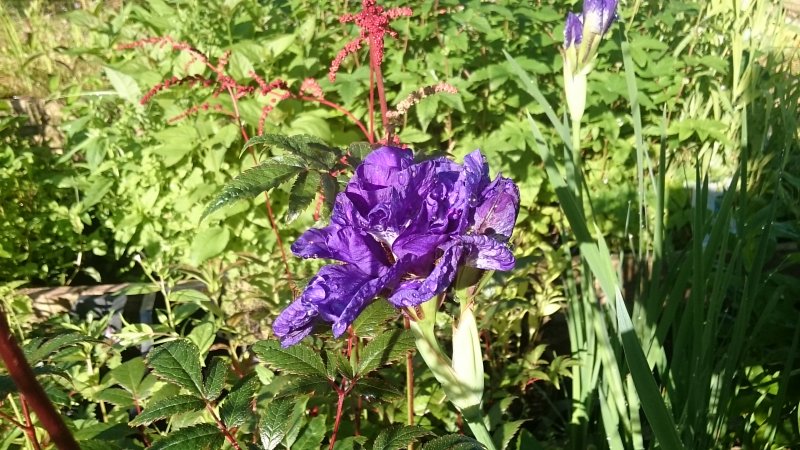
[29,388]
[376,67]
[342,110]
[267,203]
[341,394]
[371,101]
[30,430]
[11,420]
[225,431]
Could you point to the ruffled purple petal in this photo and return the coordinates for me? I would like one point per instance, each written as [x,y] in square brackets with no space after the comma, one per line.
[440,278]
[344,244]
[295,322]
[497,212]
[486,253]
[326,298]
[365,295]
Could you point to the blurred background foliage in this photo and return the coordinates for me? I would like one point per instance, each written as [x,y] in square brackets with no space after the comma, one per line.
[91,180]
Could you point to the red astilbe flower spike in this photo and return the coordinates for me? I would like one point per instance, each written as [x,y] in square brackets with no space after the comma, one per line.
[373,20]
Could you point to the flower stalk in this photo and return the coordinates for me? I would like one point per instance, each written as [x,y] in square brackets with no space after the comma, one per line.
[461,377]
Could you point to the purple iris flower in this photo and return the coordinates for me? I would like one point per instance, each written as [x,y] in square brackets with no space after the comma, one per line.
[597,16]
[402,230]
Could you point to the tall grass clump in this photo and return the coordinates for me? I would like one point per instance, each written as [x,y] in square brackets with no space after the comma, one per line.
[704,287]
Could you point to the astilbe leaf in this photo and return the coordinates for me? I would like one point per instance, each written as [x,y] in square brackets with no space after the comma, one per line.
[263,177]
[275,423]
[215,378]
[236,406]
[303,193]
[313,150]
[297,360]
[178,362]
[167,407]
[398,436]
[202,436]
[39,350]
[384,349]
[373,319]
[453,442]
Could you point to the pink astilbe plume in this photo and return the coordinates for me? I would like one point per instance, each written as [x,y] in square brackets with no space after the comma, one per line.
[373,20]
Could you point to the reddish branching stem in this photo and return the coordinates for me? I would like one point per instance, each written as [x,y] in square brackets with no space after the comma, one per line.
[31,391]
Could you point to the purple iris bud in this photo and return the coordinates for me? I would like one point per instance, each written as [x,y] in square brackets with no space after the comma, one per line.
[573,30]
[598,15]
[401,230]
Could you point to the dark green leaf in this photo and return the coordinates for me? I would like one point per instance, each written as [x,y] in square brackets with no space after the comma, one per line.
[503,435]
[384,349]
[329,187]
[350,443]
[344,366]
[298,359]
[215,378]
[202,436]
[312,435]
[357,151]
[312,150]
[398,436]
[453,442]
[236,406]
[265,176]
[376,389]
[371,321]
[129,374]
[275,423]
[167,407]
[304,385]
[178,362]
[116,396]
[46,349]
[303,192]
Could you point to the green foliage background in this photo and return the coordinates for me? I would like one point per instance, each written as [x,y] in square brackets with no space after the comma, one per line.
[122,184]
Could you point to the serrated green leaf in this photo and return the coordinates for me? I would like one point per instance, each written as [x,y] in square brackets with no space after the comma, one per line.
[503,435]
[350,443]
[203,436]
[311,149]
[304,385]
[526,441]
[357,151]
[298,419]
[344,367]
[298,359]
[167,407]
[303,192]
[398,436]
[215,378]
[115,396]
[329,188]
[453,442]
[376,389]
[178,362]
[312,435]
[47,348]
[372,320]
[236,406]
[125,86]
[275,423]
[267,175]
[384,349]
[129,374]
